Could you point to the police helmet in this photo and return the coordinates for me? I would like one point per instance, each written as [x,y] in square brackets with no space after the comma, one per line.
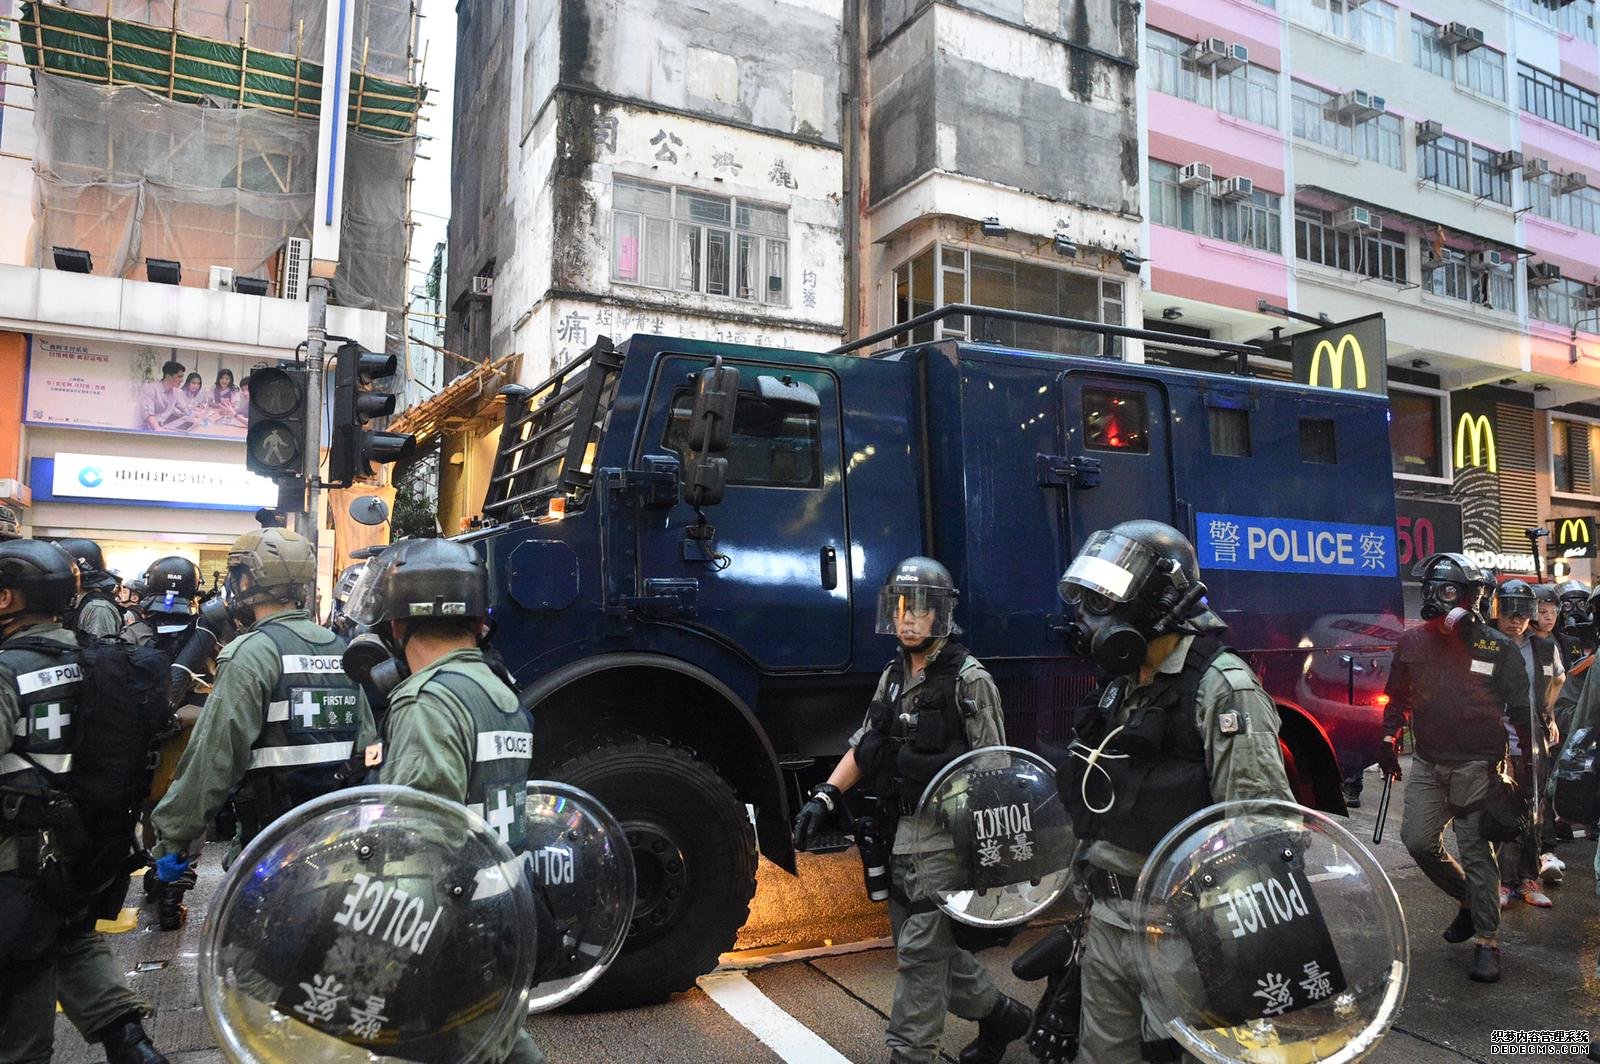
[1572,593]
[9,528]
[45,573]
[421,580]
[1140,570]
[92,572]
[170,585]
[1450,581]
[919,586]
[1515,598]
[280,563]
[1546,594]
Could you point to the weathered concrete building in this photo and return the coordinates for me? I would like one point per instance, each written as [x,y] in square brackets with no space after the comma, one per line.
[786,171]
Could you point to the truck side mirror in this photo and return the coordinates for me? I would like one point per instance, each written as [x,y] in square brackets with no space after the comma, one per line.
[716,393]
[704,480]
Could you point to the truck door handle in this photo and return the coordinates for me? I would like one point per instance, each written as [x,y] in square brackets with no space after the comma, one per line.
[830,568]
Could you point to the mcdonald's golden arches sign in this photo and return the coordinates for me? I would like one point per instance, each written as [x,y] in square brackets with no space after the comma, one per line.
[1571,537]
[1351,356]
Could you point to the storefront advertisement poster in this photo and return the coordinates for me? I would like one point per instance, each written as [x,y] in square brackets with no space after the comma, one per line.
[100,384]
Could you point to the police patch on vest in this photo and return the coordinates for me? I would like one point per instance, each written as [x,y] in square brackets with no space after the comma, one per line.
[54,676]
[500,745]
[1260,943]
[313,663]
[317,709]
[1483,668]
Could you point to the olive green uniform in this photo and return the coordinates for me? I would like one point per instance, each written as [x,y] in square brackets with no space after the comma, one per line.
[80,972]
[432,745]
[221,748]
[932,974]
[1239,726]
[99,617]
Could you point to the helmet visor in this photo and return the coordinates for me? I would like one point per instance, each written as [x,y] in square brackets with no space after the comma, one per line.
[1108,571]
[365,604]
[915,610]
[1516,604]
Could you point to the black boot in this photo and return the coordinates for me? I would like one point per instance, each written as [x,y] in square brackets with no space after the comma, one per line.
[170,910]
[1008,1022]
[125,1042]
[1460,928]
[1485,964]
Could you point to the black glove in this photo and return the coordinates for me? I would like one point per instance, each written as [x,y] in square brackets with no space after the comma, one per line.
[1389,757]
[816,814]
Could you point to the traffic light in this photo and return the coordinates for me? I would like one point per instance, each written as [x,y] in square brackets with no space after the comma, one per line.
[275,438]
[354,447]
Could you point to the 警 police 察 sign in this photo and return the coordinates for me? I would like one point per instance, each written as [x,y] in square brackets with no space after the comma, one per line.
[1351,356]
[1287,545]
[1572,537]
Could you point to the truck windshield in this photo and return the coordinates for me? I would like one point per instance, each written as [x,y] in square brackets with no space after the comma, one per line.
[551,436]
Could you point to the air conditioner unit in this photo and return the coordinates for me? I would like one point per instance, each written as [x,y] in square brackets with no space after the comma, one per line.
[1506,161]
[1534,168]
[221,279]
[1571,182]
[1235,188]
[1209,52]
[1360,105]
[483,286]
[294,268]
[1590,299]
[1194,175]
[1357,220]
[1460,36]
[1236,56]
[1541,274]
[1487,259]
[1429,131]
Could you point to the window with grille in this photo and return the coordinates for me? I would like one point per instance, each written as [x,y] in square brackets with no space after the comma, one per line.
[1381,256]
[1572,450]
[1377,139]
[1557,100]
[1250,92]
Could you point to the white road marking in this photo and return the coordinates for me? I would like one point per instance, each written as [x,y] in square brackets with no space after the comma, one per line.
[779,1031]
[748,960]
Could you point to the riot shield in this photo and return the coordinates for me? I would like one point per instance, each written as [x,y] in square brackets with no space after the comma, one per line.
[1270,935]
[372,924]
[993,843]
[582,866]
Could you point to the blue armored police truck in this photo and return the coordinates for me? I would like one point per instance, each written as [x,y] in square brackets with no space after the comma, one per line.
[686,540]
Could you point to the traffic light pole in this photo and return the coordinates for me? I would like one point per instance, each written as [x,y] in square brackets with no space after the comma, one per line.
[316,342]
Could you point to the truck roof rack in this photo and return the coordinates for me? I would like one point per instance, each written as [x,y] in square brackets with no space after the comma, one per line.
[547,433]
[1219,348]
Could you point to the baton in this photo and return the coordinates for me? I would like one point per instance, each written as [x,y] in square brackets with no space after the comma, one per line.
[1383,809]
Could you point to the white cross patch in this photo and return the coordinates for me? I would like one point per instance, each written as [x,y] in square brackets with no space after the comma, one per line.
[306,709]
[501,817]
[54,721]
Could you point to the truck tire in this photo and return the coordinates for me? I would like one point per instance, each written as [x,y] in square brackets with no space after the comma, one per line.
[694,853]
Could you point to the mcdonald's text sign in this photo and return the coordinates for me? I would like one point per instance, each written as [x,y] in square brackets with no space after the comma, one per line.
[1351,356]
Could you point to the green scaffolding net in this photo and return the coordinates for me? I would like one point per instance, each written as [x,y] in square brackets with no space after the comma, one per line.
[192,68]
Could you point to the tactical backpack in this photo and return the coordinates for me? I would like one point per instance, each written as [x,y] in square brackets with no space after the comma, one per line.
[122,717]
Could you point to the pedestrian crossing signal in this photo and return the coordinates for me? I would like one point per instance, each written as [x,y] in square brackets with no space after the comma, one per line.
[353,448]
[277,429]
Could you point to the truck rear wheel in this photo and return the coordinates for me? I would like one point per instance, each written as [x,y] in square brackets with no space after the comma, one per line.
[694,854]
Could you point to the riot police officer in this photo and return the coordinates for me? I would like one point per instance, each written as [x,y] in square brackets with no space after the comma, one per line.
[96,612]
[282,719]
[171,587]
[49,949]
[934,702]
[1182,723]
[1457,680]
[1575,631]
[1530,739]
[455,728]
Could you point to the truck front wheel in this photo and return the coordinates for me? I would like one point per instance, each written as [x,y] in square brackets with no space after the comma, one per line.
[694,854]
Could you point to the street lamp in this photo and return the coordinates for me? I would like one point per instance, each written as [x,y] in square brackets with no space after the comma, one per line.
[1572,342]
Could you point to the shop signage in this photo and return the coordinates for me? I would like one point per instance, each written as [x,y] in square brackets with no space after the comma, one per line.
[1351,356]
[1425,527]
[1501,562]
[1571,537]
[1475,442]
[108,478]
[1286,545]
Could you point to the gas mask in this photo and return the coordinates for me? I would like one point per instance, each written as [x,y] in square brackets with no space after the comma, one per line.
[371,659]
[1116,636]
